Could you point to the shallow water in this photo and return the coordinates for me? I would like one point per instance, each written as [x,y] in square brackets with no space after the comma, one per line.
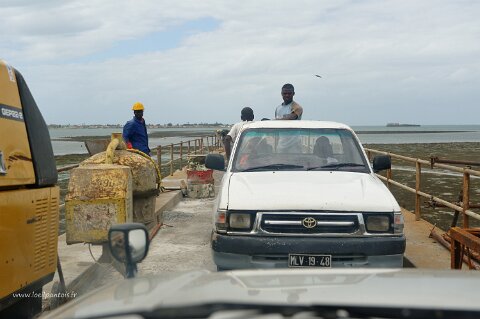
[69,140]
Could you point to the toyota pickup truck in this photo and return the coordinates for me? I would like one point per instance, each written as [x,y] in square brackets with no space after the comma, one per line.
[303,194]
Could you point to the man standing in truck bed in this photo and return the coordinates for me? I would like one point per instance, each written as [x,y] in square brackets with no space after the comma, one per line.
[246,115]
[289,109]
[135,132]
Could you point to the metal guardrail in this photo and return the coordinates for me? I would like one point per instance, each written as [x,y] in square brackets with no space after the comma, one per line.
[466,171]
[179,151]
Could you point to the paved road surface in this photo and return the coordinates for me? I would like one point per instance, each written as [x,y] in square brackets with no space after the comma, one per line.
[183,242]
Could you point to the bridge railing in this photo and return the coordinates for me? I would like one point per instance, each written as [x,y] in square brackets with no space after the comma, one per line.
[463,207]
[174,156]
[464,242]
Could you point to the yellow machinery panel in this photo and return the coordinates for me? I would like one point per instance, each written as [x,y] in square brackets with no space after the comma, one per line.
[98,197]
[8,83]
[28,236]
[16,166]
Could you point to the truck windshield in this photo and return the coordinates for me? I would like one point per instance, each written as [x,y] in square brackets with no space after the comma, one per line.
[298,149]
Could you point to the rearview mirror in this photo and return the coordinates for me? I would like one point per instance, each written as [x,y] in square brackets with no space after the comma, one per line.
[129,245]
[215,161]
[381,162]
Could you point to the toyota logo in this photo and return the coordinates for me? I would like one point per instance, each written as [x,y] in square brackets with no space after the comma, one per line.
[309,222]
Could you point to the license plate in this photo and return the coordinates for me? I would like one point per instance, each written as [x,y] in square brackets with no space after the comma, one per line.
[300,260]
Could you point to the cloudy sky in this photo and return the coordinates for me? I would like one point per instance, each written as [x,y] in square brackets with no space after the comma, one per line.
[382,61]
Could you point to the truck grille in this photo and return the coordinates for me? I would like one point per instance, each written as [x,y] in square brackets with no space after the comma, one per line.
[310,223]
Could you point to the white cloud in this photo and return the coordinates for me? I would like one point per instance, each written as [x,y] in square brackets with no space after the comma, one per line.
[380,60]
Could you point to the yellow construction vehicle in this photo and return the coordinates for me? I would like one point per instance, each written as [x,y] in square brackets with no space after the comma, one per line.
[29,199]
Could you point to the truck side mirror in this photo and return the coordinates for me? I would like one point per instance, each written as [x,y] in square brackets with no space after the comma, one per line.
[215,161]
[381,162]
[128,244]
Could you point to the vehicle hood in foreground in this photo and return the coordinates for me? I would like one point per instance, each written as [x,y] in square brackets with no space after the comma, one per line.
[393,288]
[311,190]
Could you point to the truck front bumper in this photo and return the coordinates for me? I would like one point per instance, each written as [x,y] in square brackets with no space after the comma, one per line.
[243,252]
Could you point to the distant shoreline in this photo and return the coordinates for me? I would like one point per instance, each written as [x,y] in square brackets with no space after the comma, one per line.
[184,133]
[187,133]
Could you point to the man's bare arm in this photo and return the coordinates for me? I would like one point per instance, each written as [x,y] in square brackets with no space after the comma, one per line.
[291,116]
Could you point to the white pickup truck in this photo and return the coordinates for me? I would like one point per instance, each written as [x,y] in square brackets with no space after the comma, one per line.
[303,194]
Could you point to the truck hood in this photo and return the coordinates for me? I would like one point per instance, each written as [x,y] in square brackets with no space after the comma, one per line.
[312,190]
[377,288]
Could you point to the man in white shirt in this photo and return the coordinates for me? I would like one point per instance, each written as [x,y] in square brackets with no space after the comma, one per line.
[246,116]
[289,109]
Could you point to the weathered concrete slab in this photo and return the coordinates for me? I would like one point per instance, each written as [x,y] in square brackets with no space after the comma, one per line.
[422,251]
[98,196]
[183,242]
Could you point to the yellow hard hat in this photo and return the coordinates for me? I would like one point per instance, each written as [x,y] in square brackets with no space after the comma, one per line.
[138,106]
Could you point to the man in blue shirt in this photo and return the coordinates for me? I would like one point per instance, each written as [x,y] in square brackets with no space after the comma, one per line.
[135,132]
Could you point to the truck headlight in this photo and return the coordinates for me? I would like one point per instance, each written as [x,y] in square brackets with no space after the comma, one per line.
[378,223]
[240,221]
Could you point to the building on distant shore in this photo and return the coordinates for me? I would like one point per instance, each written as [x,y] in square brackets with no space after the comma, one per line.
[400,125]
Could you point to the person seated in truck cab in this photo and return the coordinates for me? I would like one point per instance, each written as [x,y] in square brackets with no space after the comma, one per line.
[254,148]
[323,149]
[263,147]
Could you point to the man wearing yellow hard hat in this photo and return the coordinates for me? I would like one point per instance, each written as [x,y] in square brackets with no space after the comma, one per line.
[135,130]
